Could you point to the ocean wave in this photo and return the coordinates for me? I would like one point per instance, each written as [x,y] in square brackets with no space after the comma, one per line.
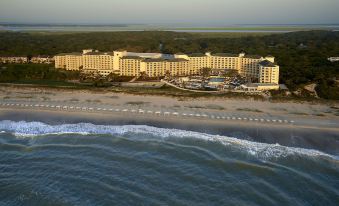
[261,150]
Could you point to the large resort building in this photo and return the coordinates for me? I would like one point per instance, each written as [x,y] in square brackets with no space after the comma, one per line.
[262,69]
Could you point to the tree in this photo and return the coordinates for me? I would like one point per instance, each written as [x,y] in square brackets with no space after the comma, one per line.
[205,72]
[231,73]
[112,77]
[298,66]
[167,74]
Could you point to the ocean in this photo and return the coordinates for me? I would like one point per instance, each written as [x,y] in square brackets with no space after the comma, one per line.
[260,28]
[88,164]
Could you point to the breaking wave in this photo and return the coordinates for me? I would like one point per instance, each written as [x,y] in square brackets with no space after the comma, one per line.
[261,150]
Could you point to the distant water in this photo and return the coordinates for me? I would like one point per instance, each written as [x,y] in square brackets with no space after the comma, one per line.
[171,27]
[66,28]
[86,164]
[233,31]
[114,29]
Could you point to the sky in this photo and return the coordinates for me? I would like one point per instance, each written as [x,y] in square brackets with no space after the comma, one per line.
[200,12]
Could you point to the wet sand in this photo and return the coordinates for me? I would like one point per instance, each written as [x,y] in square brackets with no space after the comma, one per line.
[318,138]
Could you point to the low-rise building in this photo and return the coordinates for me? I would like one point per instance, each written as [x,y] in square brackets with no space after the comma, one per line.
[333,59]
[254,87]
[43,59]
[13,59]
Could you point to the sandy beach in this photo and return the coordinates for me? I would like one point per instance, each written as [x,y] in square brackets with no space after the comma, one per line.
[324,115]
[290,124]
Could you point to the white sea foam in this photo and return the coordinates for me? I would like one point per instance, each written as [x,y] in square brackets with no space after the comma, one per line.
[263,150]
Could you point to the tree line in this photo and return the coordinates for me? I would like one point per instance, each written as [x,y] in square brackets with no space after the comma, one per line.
[302,56]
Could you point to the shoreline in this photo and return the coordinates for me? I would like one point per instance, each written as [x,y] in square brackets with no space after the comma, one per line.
[165,115]
[317,138]
[304,125]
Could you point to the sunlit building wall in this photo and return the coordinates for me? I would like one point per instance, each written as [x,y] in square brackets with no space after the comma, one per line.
[125,63]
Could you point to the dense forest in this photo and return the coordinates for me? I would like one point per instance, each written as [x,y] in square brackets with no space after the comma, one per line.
[36,73]
[302,56]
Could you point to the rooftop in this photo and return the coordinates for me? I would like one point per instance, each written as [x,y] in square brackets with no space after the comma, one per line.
[132,57]
[177,60]
[144,55]
[267,63]
[197,55]
[226,55]
[70,54]
[154,60]
[253,56]
[99,53]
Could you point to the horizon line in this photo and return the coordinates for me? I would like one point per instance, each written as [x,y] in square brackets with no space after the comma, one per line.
[124,24]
